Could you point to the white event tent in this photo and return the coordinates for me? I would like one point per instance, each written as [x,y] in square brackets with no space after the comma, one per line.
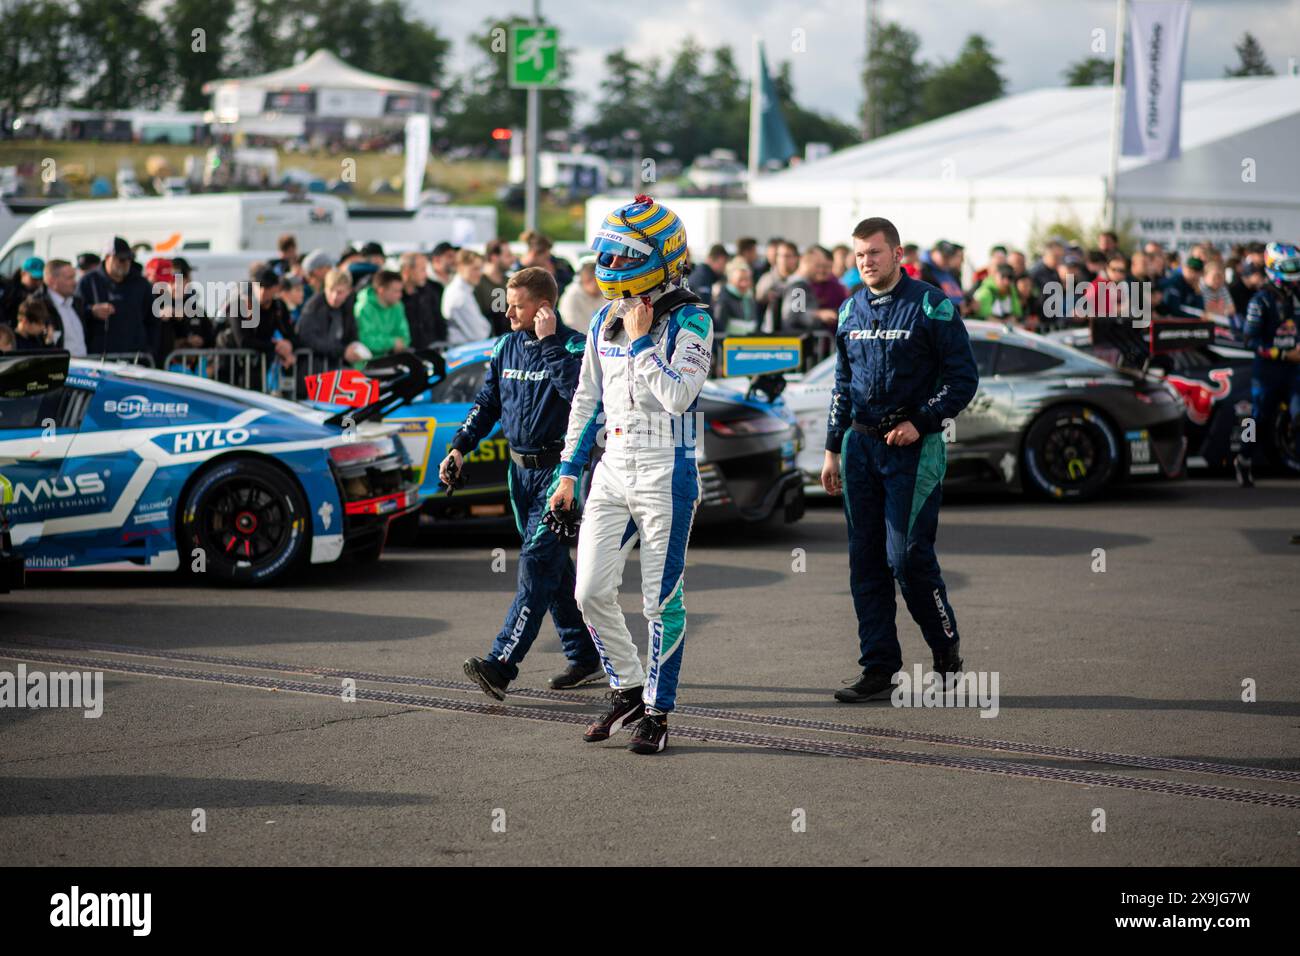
[321,91]
[1002,171]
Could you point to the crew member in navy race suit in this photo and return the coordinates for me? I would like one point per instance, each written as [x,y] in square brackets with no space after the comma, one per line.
[904,366]
[529,384]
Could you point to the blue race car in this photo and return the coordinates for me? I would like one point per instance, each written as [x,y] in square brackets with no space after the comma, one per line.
[118,467]
[747,459]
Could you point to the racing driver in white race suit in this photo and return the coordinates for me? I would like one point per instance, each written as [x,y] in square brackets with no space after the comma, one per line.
[647,356]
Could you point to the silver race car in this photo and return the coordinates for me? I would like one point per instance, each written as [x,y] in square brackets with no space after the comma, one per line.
[1047,419]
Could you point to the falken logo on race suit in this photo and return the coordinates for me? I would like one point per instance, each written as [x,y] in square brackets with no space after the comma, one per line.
[140,406]
[523,375]
[887,334]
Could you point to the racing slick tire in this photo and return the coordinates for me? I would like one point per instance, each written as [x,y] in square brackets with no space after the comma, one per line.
[249,519]
[1070,453]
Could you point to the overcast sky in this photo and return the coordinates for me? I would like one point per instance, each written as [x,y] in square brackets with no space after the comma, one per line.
[1035,39]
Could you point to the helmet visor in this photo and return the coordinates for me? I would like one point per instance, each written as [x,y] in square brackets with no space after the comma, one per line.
[609,244]
[1288,269]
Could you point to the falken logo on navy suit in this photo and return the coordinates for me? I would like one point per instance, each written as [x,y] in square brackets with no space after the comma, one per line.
[887,334]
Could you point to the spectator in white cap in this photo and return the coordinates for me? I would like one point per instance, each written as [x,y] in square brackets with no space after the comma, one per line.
[314,266]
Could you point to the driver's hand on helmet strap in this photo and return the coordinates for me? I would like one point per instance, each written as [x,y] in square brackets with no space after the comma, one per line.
[639,319]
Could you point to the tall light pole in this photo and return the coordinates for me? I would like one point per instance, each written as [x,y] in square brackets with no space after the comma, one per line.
[870,112]
[530,144]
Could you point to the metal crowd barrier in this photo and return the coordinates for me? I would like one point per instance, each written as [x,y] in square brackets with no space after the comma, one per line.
[818,344]
[245,368]
[254,370]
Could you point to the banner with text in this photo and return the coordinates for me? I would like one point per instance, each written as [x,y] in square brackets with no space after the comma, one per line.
[1153,87]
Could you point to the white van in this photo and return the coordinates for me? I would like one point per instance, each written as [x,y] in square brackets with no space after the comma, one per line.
[179,225]
[420,229]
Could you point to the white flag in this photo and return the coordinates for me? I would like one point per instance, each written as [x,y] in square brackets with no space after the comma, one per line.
[1153,87]
[417,154]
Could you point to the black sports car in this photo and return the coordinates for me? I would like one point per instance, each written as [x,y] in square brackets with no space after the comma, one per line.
[1210,366]
[747,465]
[1046,418]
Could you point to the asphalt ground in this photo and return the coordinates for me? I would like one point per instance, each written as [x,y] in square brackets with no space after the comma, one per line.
[1144,660]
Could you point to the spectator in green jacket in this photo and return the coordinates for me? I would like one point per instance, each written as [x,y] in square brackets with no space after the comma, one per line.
[996,297]
[381,320]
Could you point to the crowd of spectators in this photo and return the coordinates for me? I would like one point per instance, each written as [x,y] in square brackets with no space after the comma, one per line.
[794,291]
[347,308]
[333,309]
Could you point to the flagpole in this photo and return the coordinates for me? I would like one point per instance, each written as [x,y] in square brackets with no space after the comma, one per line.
[534,119]
[755,108]
[1117,119]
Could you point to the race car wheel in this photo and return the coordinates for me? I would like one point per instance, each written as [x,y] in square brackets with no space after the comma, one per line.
[250,521]
[1285,439]
[1070,454]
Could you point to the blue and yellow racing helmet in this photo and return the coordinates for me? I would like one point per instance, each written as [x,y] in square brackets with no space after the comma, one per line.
[1282,262]
[648,234]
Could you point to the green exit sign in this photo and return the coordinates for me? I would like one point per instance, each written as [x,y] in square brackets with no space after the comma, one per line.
[534,56]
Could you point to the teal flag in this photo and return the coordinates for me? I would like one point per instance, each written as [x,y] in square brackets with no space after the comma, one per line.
[774,140]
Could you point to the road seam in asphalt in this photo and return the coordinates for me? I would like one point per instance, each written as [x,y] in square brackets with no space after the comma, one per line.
[799,723]
[772,742]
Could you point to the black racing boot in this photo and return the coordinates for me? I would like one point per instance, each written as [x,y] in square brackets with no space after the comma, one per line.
[651,734]
[487,674]
[625,707]
[575,675]
[1245,475]
[872,685]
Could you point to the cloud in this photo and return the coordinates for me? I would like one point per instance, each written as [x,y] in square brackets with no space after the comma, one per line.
[1034,40]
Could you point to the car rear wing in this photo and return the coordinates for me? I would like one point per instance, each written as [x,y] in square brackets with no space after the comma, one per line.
[763,358]
[24,374]
[1137,346]
[387,383]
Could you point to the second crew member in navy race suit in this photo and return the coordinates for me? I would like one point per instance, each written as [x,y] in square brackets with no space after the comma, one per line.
[529,384]
[905,366]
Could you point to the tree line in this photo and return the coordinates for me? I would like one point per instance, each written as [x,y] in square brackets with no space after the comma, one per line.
[903,90]
[119,54]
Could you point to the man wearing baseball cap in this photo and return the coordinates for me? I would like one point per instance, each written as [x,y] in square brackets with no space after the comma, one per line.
[262,323]
[120,300]
[314,267]
[941,267]
[1183,297]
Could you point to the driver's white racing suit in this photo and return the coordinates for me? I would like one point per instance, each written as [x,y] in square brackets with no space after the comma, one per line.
[639,396]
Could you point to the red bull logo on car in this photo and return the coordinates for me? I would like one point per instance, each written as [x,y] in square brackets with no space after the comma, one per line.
[1199,396]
